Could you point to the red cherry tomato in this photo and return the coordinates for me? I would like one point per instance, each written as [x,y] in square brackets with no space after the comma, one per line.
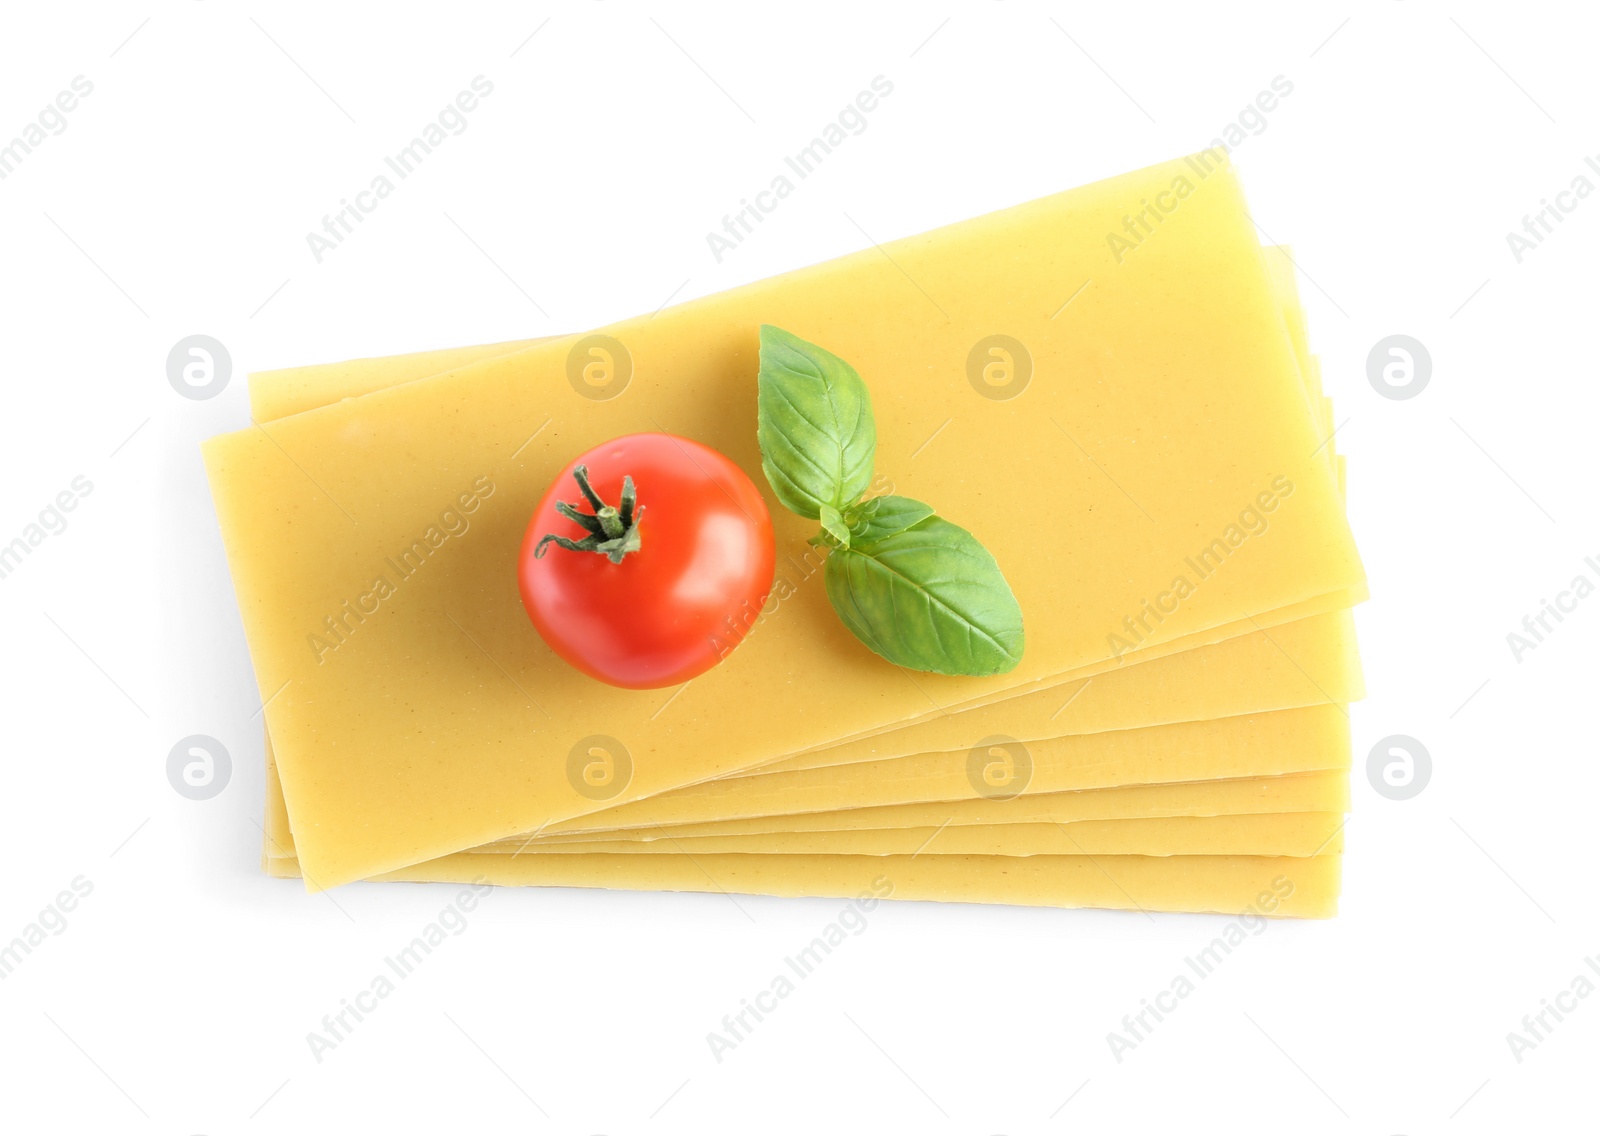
[666,601]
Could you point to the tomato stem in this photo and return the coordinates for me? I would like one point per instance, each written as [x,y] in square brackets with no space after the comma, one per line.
[613,531]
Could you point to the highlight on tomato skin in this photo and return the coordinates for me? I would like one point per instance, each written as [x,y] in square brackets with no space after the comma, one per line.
[647,560]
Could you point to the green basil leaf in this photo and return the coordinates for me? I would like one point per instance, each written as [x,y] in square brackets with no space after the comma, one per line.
[815,426]
[928,597]
[879,517]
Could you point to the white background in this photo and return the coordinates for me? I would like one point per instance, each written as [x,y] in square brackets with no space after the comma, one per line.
[179,996]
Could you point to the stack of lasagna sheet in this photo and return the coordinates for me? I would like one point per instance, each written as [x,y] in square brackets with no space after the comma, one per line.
[1151,465]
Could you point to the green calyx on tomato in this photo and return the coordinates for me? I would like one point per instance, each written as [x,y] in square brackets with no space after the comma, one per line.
[613,530]
[917,589]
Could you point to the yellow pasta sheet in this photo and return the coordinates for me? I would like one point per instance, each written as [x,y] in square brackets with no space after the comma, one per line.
[446,723]
[1258,834]
[1261,744]
[291,390]
[1309,662]
[1283,741]
[1297,664]
[1256,886]
[1322,791]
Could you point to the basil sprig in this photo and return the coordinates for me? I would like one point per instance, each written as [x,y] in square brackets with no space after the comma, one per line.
[917,589]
